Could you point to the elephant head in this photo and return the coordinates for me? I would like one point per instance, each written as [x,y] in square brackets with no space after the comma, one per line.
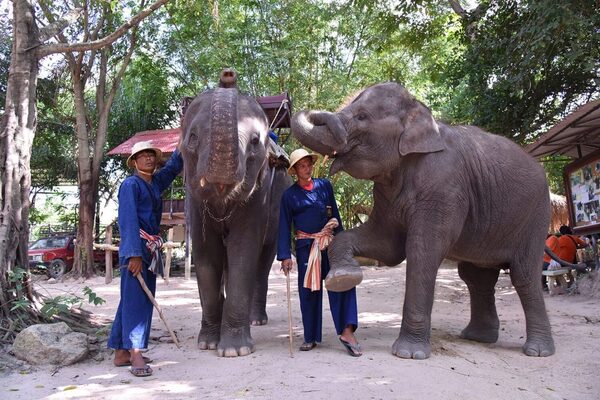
[224,139]
[370,135]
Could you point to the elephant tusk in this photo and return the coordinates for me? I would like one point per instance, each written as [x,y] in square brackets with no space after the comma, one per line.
[202,182]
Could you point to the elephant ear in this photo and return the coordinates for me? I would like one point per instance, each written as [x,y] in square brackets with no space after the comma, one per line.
[421,132]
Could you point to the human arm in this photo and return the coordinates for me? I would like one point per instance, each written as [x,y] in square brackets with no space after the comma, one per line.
[287,265]
[334,208]
[129,226]
[135,265]
[167,174]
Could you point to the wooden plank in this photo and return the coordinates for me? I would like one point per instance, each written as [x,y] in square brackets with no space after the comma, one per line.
[108,274]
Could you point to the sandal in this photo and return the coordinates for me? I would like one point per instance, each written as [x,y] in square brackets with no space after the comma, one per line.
[353,349]
[308,346]
[140,372]
[128,363]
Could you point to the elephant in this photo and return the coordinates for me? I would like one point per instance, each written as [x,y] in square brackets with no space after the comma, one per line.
[440,192]
[234,178]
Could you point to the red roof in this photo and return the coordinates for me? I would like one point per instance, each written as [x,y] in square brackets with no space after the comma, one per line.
[165,139]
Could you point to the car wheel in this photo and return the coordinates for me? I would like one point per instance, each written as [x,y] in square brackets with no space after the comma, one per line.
[56,269]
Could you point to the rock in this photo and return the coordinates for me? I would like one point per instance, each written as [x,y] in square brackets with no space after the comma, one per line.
[50,344]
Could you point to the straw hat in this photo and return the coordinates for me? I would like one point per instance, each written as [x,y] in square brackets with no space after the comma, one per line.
[298,155]
[142,146]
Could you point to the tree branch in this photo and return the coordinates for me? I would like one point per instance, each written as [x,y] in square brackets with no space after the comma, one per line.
[59,25]
[47,49]
[458,9]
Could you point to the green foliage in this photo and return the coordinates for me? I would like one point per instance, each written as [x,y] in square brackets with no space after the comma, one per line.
[524,64]
[63,303]
[58,305]
[93,298]
[554,167]
[16,277]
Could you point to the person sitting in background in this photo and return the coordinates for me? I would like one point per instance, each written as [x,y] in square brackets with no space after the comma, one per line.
[568,244]
[553,244]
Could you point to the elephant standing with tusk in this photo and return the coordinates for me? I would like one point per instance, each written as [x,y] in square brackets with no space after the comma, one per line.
[235,187]
[440,191]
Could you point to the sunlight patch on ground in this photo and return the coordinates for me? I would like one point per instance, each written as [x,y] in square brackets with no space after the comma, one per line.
[370,317]
[149,389]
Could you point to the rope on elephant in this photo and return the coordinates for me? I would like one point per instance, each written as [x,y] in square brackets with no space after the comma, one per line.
[312,278]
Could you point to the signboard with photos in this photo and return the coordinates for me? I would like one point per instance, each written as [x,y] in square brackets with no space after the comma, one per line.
[582,181]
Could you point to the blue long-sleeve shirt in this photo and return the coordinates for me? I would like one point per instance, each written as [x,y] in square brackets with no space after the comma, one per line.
[140,206]
[307,211]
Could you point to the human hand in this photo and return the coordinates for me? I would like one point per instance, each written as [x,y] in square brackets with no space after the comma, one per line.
[135,265]
[286,266]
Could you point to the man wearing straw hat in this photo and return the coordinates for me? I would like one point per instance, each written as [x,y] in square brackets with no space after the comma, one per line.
[140,211]
[309,205]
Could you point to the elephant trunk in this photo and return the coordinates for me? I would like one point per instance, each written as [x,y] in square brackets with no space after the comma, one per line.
[223,146]
[320,131]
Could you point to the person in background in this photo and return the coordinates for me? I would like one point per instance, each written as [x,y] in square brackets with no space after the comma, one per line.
[309,205]
[553,245]
[139,214]
[568,244]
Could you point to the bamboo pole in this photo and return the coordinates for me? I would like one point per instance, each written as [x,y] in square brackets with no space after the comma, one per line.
[153,300]
[289,304]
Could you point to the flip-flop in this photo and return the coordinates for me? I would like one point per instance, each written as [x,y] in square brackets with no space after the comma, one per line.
[128,363]
[141,372]
[308,346]
[353,349]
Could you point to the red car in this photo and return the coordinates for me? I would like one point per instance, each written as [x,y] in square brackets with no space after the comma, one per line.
[55,254]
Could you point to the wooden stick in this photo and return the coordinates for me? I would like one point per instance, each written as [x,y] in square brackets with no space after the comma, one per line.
[153,300]
[289,303]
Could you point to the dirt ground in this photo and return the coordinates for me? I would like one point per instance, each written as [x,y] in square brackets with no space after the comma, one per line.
[457,369]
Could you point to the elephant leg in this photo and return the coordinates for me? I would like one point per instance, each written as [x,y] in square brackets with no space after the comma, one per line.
[258,308]
[369,240]
[413,340]
[429,236]
[209,259]
[235,325]
[484,323]
[526,281]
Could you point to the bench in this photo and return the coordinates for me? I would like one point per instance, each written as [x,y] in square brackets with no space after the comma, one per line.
[557,284]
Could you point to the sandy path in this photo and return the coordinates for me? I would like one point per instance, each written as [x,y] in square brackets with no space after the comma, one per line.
[457,369]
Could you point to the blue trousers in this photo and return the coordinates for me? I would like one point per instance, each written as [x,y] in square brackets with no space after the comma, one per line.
[343,304]
[131,327]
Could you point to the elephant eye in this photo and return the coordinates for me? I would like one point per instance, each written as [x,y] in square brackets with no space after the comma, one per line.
[361,116]
[192,143]
[255,139]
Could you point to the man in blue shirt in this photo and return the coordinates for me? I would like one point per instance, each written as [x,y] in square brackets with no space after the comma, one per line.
[140,211]
[310,206]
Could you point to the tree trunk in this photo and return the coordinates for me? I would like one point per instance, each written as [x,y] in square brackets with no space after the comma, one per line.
[16,138]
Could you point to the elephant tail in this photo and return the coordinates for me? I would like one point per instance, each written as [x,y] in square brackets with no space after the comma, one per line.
[581,267]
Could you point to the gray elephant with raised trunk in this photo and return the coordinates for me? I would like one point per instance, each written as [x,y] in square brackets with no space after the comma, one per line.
[234,177]
[440,191]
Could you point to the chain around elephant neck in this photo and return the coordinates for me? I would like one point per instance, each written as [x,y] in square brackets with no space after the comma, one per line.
[216,219]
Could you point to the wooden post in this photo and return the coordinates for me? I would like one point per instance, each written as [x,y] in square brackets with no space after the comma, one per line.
[169,255]
[108,275]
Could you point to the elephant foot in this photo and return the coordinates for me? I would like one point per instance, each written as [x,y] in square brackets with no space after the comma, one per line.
[417,350]
[207,341]
[478,333]
[539,347]
[258,318]
[235,347]
[343,278]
